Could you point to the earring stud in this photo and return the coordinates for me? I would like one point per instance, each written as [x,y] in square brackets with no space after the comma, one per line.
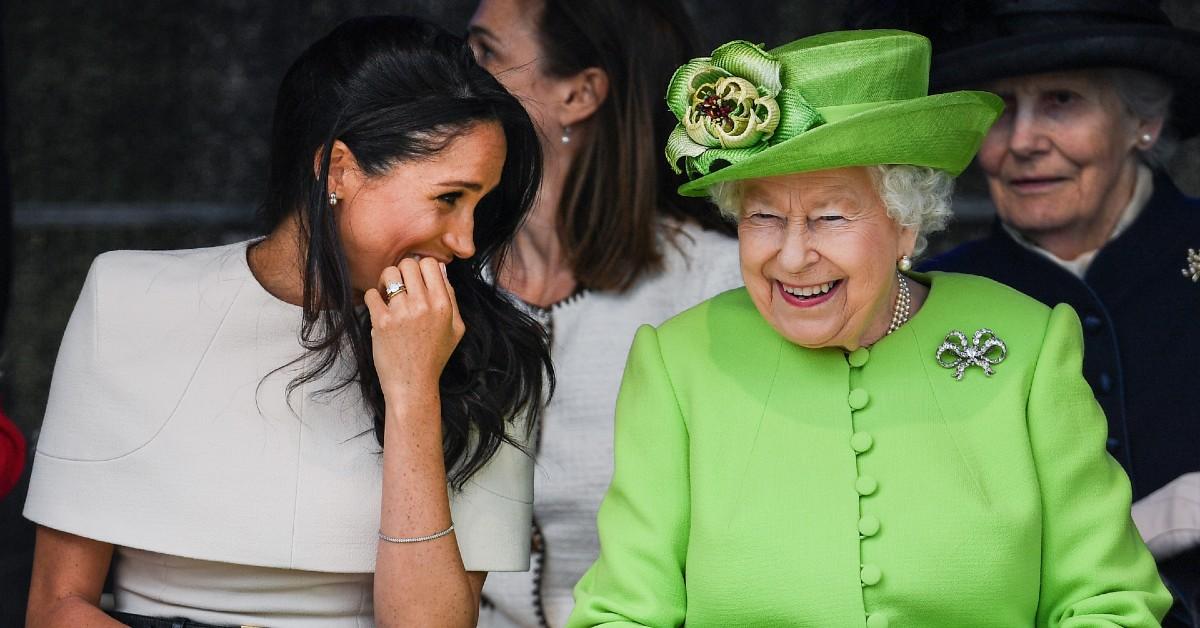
[333,199]
[905,263]
[1147,138]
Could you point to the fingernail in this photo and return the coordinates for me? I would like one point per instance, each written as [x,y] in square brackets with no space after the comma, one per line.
[443,265]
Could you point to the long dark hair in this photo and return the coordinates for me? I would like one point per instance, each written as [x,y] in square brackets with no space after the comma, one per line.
[394,89]
[620,185]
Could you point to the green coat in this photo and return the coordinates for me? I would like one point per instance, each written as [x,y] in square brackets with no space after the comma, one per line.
[759,483]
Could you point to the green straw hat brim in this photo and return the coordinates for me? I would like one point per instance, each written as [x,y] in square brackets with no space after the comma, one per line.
[942,131]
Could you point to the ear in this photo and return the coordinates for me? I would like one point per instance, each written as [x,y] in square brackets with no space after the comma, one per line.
[581,95]
[1152,127]
[342,165]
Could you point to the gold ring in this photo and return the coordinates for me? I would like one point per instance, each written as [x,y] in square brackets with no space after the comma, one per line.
[392,289]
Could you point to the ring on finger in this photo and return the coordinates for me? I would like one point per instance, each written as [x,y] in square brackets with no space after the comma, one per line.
[392,289]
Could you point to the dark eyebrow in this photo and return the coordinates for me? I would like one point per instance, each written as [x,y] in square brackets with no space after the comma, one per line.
[470,185]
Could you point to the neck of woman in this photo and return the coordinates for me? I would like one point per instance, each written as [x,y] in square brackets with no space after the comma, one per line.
[537,269]
[276,262]
[917,291]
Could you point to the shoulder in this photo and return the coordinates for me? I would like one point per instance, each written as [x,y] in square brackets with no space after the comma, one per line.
[133,274]
[726,328]
[966,257]
[134,340]
[697,263]
[969,297]
[133,289]
[688,247]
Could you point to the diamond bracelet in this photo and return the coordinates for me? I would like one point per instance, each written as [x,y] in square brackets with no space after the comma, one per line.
[415,539]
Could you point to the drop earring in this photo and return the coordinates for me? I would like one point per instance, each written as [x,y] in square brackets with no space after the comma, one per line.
[333,199]
[566,136]
[905,263]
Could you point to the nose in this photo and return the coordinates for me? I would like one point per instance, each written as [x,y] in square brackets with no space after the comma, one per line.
[460,235]
[1027,134]
[797,251]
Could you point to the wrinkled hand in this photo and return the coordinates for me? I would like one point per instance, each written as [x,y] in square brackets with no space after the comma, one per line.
[413,335]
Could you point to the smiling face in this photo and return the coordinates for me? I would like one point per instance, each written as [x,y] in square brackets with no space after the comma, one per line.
[423,207]
[1060,162]
[819,253]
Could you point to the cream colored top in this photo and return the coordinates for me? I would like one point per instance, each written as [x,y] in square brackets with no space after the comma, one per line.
[591,337]
[169,430]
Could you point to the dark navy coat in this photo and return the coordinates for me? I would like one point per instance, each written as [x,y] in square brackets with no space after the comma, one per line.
[1141,322]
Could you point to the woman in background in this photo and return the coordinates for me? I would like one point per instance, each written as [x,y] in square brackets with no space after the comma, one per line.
[216,415]
[608,247]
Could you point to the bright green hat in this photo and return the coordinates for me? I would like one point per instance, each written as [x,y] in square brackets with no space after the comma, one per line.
[851,98]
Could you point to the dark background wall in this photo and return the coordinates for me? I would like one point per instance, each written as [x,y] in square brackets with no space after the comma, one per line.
[144,125]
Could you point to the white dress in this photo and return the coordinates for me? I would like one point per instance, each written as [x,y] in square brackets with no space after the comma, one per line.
[592,333]
[169,433]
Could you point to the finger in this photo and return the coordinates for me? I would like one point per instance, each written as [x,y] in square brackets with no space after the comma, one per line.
[435,283]
[375,305]
[410,270]
[391,275]
[453,297]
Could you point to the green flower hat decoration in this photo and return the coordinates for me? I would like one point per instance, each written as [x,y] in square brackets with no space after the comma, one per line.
[851,98]
[728,107]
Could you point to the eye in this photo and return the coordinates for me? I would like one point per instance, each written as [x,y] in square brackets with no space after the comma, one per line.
[762,218]
[831,217]
[1061,97]
[450,198]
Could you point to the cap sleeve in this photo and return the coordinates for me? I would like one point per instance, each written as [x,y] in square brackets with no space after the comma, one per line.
[493,513]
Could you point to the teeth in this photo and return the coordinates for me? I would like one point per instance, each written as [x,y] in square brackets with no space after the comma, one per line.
[808,291]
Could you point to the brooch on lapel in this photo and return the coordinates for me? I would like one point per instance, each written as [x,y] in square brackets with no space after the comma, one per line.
[985,351]
[1193,265]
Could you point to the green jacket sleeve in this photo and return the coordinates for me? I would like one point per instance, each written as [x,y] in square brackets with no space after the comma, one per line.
[1095,569]
[643,520]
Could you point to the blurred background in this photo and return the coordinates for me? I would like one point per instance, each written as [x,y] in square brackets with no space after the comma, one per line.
[144,125]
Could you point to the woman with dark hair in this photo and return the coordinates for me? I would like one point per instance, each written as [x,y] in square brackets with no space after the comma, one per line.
[609,246]
[216,420]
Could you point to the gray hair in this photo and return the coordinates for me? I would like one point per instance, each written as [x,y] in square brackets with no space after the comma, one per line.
[1146,96]
[915,197]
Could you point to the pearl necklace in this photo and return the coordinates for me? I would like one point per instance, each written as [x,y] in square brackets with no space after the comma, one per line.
[903,308]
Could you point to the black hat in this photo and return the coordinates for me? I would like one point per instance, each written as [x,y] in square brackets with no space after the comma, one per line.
[980,40]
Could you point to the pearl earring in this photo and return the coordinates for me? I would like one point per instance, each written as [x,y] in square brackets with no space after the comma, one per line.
[333,199]
[905,263]
[1147,138]
[566,136]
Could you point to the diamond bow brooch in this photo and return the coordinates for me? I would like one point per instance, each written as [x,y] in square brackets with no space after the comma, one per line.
[985,351]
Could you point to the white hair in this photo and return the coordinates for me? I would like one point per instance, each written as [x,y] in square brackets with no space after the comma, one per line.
[1146,96]
[915,197]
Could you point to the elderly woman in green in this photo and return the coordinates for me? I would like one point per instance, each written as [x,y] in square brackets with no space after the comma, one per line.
[844,442]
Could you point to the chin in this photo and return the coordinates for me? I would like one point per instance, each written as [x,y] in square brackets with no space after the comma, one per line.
[803,337]
[1035,217]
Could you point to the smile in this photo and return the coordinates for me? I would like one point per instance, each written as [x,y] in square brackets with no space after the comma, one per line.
[808,296]
[1035,185]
